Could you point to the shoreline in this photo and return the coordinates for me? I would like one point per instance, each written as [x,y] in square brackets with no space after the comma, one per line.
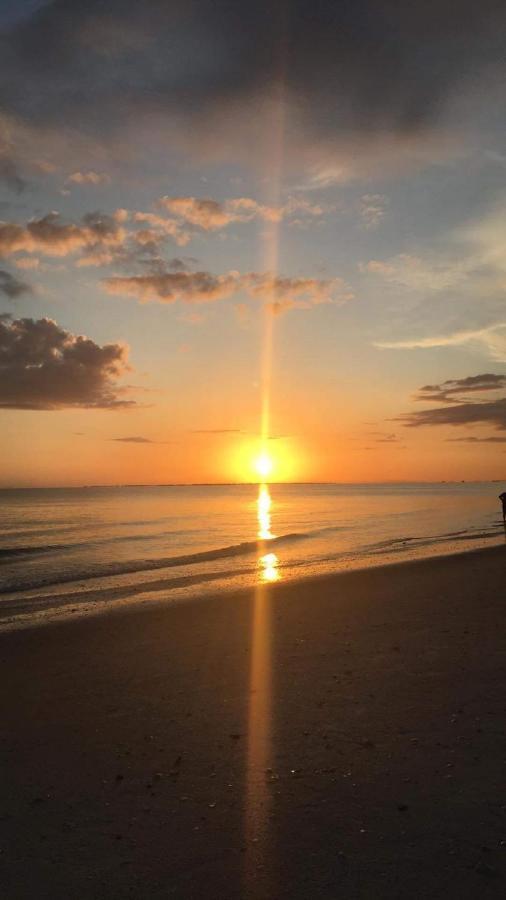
[54,615]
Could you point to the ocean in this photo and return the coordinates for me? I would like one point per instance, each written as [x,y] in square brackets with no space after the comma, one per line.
[70,551]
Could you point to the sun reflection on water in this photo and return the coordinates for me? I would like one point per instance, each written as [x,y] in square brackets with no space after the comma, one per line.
[267,562]
[264,504]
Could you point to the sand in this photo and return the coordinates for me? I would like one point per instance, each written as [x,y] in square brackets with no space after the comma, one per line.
[337,738]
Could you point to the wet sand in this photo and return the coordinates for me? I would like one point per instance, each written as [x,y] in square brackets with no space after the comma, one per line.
[337,738]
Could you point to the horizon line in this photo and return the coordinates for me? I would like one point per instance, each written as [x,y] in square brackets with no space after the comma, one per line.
[77,487]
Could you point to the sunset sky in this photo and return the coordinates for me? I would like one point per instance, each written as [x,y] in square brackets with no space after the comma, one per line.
[180,179]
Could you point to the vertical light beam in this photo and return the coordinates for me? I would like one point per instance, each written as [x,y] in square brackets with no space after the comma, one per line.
[259,748]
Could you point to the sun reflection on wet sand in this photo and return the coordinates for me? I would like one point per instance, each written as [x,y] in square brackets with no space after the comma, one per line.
[269,563]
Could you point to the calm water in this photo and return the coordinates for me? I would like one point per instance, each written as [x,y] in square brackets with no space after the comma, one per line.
[68,550]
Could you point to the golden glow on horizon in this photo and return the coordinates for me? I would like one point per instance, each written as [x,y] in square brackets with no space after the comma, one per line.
[248,460]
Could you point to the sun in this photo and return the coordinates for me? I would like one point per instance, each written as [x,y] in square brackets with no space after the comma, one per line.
[264,465]
[255,461]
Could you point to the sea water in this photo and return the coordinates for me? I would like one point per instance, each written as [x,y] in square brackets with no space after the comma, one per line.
[71,550]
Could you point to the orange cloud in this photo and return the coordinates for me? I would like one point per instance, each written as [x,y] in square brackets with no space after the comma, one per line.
[190,287]
[94,178]
[52,237]
[279,293]
[212,215]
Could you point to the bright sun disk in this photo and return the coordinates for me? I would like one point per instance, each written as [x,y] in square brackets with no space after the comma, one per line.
[264,465]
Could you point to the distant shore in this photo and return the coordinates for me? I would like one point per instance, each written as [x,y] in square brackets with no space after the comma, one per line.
[336,737]
[154,484]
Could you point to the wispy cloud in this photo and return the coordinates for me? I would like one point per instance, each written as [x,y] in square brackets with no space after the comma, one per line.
[373,209]
[384,437]
[417,274]
[492,339]
[136,439]
[492,439]
[216,431]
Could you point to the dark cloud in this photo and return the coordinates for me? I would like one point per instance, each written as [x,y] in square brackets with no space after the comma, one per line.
[451,390]
[492,413]
[191,287]
[9,174]
[11,286]
[42,366]
[216,431]
[477,440]
[281,294]
[181,263]
[459,410]
[136,439]
[388,439]
[357,67]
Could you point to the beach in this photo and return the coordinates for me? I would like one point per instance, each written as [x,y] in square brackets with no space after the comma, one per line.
[336,737]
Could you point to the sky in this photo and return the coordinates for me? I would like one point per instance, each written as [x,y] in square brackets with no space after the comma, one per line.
[228,229]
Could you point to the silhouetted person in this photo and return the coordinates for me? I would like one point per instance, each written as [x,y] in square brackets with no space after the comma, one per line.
[502,498]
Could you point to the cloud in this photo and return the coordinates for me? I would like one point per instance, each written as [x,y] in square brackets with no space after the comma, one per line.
[11,286]
[160,228]
[136,439]
[463,283]
[373,209]
[52,237]
[448,390]
[9,173]
[206,214]
[203,75]
[42,366]
[463,411]
[477,440]
[213,215]
[190,287]
[279,293]
[383,437]
[129,237]
[27,262]
[90,177]
[282,294]
[216,431]
[492,413]
[492,338]
[418,274]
